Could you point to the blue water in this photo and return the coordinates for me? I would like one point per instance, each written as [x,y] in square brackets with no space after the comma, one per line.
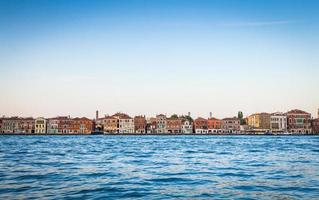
[159,167]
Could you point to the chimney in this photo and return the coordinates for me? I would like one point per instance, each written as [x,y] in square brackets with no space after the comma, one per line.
[210,114]
[97,115]
[189,114]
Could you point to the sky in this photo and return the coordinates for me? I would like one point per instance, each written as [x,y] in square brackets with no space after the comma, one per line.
[65,57]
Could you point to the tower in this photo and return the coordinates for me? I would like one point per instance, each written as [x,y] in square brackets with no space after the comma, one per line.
[97,115]
[210,114]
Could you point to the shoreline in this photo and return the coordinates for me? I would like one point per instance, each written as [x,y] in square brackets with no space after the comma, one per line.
[155,134]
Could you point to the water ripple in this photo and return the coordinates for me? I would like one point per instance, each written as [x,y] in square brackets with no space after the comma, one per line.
[159,167]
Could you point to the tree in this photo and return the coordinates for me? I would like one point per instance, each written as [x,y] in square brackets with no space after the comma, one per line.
[174,116]
[240,117]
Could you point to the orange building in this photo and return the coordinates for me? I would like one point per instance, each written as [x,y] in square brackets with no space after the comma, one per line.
[81,125]
[200,125]
[214,125]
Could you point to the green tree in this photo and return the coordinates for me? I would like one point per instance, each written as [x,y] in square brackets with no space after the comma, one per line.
[241,118]
[174,116]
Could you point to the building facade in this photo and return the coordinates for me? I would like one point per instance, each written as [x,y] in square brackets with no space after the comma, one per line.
[173,125]
[82,125]
[140,124]
[1,120]
[214,125]
[110,124]
[298,121]
[230,125]
[53,126]
[11,125]
[278,122]
[315,126]
[125,123]
[151,125]
[259,122]
[200,125]
[161,123]
[26,125]
[40,125]
[65,125]
[187,126]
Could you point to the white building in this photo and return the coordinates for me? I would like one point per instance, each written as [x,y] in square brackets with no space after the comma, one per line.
[53,126]
[187,127]
[278,122]
[125,123]
[40,125]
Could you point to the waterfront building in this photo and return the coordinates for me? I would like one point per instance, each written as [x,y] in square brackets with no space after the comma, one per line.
[315,126]
[173,125]
[244,128]
[298,121]
[230,125]
[187,126]
[161,123]
[11,124]
[40,125]
[278,122]
[26,125]
[151,125]
[214,125]
[99,124]
[200,125]
[53,125]
[65,125]
[259,122]
[1,131]
[140,124]
[110,124]
[125,123]
[82,125]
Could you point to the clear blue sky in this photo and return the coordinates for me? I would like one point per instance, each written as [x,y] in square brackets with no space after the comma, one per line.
[146,57]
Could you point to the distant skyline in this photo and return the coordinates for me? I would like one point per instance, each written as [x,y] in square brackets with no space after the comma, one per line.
[64,57]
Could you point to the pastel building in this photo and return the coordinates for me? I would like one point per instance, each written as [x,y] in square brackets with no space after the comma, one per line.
[173,125]
[125,123]
[200,125]
[11,125]
[110,124]
[26,125]
[259,122]
[40,125]
[161,123]
[298,121]
[214,125]
[187,126]
[139,124]
[53,125]
[230,125]
[278,122]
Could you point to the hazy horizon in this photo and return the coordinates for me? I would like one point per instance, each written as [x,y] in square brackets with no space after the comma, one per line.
[151,57]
